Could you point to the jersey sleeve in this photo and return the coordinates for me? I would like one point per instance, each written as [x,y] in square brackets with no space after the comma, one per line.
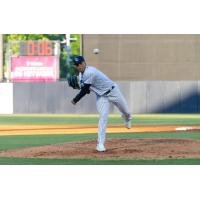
[89,79]
[84,90]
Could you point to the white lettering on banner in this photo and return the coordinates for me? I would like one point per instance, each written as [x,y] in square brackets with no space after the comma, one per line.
[43,72]
[34,63]
[22,68]
[16,74]
[36,74]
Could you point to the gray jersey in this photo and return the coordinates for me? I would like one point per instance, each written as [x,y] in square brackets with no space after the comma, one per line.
[100,83]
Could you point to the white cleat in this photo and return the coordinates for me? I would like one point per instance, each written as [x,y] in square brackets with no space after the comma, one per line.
[128,124]
[100,148]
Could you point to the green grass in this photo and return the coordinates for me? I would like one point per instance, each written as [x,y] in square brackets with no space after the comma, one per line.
[22,141]
[187,135]
[45,120]
[93,119]
[37,161]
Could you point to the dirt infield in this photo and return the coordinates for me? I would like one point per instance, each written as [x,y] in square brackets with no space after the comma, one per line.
[116,149]
[83,129]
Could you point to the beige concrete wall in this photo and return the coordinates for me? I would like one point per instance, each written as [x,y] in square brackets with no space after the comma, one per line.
[141,96]
[145,57]
[1,57]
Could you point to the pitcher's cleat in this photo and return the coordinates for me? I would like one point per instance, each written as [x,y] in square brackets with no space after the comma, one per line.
[100,148]
[128,124]
[127,121]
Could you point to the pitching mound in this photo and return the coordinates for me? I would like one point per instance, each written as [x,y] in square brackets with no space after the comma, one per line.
[116,148]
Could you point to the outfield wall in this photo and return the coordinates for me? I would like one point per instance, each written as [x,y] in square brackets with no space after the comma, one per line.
[142,96]
[156,57]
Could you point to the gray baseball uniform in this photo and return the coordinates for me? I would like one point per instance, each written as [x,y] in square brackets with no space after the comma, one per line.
[106,91]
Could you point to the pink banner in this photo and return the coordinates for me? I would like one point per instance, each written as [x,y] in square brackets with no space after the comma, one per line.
[34,68]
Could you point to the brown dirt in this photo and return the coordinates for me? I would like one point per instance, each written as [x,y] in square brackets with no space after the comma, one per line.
[116,148]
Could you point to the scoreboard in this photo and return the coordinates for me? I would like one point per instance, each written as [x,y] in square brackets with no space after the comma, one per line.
[35,61]
[36,48]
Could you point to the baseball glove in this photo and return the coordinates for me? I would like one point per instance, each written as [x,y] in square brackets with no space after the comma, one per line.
[73,81]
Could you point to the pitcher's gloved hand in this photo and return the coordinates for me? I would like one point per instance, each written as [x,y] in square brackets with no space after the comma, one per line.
[73,81]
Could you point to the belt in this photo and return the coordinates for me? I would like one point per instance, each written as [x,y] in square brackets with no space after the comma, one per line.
[109,90]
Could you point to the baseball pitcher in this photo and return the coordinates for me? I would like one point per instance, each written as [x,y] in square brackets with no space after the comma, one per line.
[107,91]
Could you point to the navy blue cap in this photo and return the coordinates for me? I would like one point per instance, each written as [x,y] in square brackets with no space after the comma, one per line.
[78,60]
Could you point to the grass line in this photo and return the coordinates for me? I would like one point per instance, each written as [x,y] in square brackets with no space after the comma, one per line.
[180,116]
[40,161]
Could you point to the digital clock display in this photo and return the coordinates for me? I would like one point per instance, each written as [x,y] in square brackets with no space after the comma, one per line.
[37,48]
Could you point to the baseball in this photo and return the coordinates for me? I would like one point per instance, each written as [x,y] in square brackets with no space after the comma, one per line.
[96,51]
